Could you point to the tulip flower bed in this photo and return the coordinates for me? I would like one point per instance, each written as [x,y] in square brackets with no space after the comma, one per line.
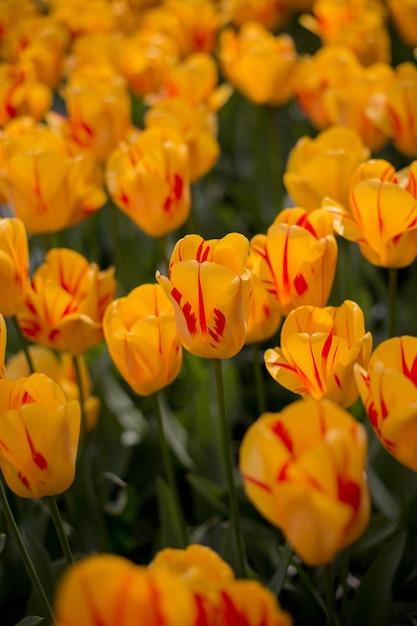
[208,337]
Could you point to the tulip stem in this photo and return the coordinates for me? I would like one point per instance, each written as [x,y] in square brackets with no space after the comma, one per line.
[228,463]
[30,568]
[59,527]
[25,345]
[168,467]
[329,575]
[80,391]
[392,299]
[259,381]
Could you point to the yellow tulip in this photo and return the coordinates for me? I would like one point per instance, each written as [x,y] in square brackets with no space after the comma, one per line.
[268,13]
[265,315]
[14,265]
[142,340]
[39,433]
[66,302]
[210,288]
[3,341]
[304,470]
[148,180]
[338,151]
[248,602]
[81,17]
[319,348]
[260,65]
[297,258]
[112,591]
[21,93]
[388,390]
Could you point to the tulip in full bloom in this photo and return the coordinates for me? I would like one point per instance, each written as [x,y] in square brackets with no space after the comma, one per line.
[14,265]
[319,347]
[210,288]
[297,258]
[386,237]
[388,390]
[39,431]
[141,336]
[338,151]
[260,65]
[304,470]
[66,302]
[148,180]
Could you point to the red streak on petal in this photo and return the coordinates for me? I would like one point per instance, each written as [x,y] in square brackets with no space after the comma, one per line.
[37,457]
[300,284]
[257,482]
[52,335]
[231,615]
[189,316]
[201,613]
[282,475]
[25,481]
[337,380]
[349,492]
[316,371]
[266,310]
[280,430]
[327,346]
[219,325]
[304,223]
[3,445]
[410,373]
[384,409]
[373,415]
[176,295]
[158,616]
[201,309]
[285,267]
[124,198]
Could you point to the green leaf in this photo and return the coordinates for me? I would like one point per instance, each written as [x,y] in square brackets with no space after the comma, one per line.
[170,524]
[176,434]
[378,531]
[373,601]
[43,567]
[208,490]
[382,497]
[3,541]
[32,620]
[278,579]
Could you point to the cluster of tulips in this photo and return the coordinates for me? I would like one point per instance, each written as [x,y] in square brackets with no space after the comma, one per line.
[116,103]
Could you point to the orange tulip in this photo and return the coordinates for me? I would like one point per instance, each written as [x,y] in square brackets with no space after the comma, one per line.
[66,302]
[39,433]
[82,17]
[148,180]
[388,390]
[268,13]
[304,470]
[319,348]
[297,258]
[141,336]
[14,265]
[210,288]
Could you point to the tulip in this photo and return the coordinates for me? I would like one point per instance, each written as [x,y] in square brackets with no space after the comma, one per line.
[210,288]
[142,340]
[304,470]
[21,93]
[3,340]
[404,16]
[337,151]
[81,17]
[14,265]
[319,348]
[260,65]
[297,258]
[65,305]
[60,369]
[265,315]
[385,237]
[248,602]
[268,13]
[148,181]
[109,590]
[388,390]
[39,433]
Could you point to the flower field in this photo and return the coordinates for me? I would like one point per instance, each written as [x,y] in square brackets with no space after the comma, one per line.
[208,329]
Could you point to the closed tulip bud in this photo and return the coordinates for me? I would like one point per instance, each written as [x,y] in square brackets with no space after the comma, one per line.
[297,258]
[319,348]
[148,180]
[65,304]
[142,340]
[210,288]
[110,590]
[337,151]
[260,65]
[388,390]
[304,470]
[39,433]
[14,265]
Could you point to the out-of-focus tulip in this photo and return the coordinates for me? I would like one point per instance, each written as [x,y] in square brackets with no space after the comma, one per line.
[304,470]
[3,341]
[248,602]
[260,65]
[47,186]
[386,237]
[396,114]
[338,151]
[81,17]
[142,340]
[269,13]
[210,288]
[358,24]
[65,305]
[60,368]
[265,314]
[39,433]
[389,393]
[148,180]
[12,14]
[21,93]
[14,265]
[297,258]
[110,590]
[404,15]
[319,347]
[197,127]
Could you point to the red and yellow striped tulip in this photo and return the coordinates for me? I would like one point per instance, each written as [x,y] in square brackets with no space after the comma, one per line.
[14,265]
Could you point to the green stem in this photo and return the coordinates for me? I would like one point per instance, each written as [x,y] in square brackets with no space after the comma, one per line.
[59,527]
[259,381]
[329,575]
[81,392]
[168,467]
[309,585]
[392,301]
[30,568]
[228,462]
[25,345]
